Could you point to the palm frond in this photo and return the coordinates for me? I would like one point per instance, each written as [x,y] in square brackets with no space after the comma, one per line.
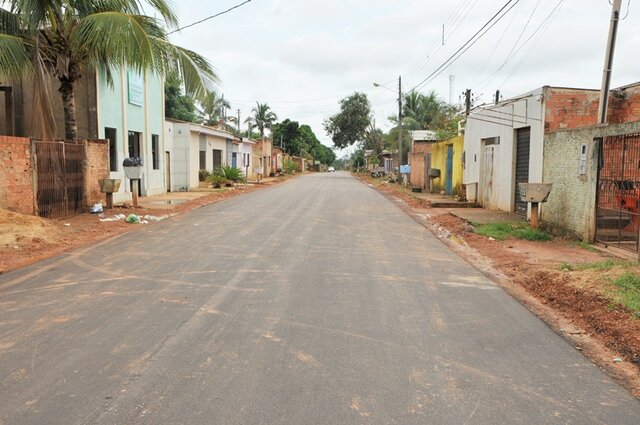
[15,56]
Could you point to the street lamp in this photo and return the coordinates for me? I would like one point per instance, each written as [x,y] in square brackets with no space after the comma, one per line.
[399,120]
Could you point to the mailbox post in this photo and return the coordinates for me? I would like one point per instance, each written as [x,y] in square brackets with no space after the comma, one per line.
[108,187]
[133,171]
[534,193]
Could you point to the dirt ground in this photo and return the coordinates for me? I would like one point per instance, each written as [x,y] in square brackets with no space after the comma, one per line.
[26,239]
[575,302]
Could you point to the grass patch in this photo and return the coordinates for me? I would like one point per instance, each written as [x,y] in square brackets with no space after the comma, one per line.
[586,246]
[601,265]
[502,231]
[628,293]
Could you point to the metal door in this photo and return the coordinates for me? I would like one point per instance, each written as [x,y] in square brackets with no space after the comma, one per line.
[217,158]
[523,147]
[448,183]
[60,178]
[618,195]
[487,176]
[167,169]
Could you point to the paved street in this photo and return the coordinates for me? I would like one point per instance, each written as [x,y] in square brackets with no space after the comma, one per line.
[313,302]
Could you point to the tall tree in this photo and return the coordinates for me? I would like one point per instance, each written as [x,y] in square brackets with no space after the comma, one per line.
[66,38]
[263,117]
[350,124]
[212,109]
[177,105]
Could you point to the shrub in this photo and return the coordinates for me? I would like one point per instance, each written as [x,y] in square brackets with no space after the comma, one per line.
[231,174]
[290,167]
[203,175]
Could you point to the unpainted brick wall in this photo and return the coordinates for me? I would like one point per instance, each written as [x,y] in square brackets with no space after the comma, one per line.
[16,176]
[574,108]
[96,167]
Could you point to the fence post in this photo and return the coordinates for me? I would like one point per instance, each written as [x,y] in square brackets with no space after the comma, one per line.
[85,174]
[34,176]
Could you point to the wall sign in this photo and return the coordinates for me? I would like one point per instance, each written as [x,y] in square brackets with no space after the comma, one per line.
[135,88]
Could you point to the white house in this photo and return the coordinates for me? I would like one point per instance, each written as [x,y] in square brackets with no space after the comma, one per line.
[503,146]
[194,147]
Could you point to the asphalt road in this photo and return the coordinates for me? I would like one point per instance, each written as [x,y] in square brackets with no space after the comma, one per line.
[313,302]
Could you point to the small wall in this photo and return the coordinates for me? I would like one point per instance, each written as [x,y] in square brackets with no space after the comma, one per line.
[16,175]
[571,207]
[96,167]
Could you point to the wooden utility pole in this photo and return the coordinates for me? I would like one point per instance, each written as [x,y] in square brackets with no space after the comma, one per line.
[608,62]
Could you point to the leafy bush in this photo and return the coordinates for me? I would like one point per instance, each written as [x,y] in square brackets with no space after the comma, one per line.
[217,180]
[203,175]
[290,167]
[231,174]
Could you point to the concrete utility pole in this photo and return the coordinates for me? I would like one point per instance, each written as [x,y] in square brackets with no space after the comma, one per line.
[399,127]
[497,100]
[238,121]
[608,62]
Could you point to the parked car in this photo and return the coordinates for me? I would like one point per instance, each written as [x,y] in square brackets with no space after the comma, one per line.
[331,169]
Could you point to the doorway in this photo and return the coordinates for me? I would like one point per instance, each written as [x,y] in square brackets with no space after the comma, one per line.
[523,147]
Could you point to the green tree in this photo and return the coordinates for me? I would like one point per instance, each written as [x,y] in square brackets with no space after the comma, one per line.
[350,124]
[263,117]
[286,134]
[176,104]
[211,109]
[66,38]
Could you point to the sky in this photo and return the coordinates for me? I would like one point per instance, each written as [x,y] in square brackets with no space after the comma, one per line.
[302,56]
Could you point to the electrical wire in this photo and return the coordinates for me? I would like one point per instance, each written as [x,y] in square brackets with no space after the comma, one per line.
[210,17]
[470,42]
[482,84]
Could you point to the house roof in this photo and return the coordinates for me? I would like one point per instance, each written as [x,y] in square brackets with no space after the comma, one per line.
[204,129]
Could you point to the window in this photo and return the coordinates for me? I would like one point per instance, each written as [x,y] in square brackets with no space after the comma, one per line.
[134,145]
[110,135]
[203,151]
[155,154]
[491,141]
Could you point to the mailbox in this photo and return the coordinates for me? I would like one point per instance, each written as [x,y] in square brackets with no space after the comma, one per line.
[534,192]
[132,168]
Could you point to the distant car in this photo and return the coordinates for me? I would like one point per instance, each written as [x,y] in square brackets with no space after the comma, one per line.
[331,169]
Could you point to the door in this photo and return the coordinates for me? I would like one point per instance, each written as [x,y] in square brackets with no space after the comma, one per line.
[135,152]
[618,193]
[523,146]
[234,160]
[427,166]
[487,176]
[217,159]
[167,170]
[448,182]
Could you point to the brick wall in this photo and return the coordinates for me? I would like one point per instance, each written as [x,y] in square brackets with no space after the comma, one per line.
[575,108]
[572,202]
[16,184]
[96,167]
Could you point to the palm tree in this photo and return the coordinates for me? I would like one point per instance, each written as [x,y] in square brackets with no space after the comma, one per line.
[64,39]
[263,117]
[420,110]
[211,109]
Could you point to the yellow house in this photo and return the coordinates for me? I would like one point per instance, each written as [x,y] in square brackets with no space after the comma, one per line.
[447,157]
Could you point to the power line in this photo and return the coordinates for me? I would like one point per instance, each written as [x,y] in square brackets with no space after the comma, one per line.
[469,43]
[210,17]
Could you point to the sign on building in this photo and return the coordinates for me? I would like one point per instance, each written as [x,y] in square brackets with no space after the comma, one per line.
[135,88]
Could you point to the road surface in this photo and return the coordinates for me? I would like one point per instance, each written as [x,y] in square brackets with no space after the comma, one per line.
[313,302]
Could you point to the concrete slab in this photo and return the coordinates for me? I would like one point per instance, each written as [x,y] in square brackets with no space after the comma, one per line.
[484,216]
[169,200]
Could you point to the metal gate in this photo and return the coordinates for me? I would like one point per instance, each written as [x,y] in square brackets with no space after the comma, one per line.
[60,178]
[523,145]
[618,196]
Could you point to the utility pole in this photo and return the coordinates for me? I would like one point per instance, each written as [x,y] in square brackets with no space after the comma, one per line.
[239,131]
[608,62]
[223,114]
[452,80]
[467,102]
[399,126]
[497,96]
